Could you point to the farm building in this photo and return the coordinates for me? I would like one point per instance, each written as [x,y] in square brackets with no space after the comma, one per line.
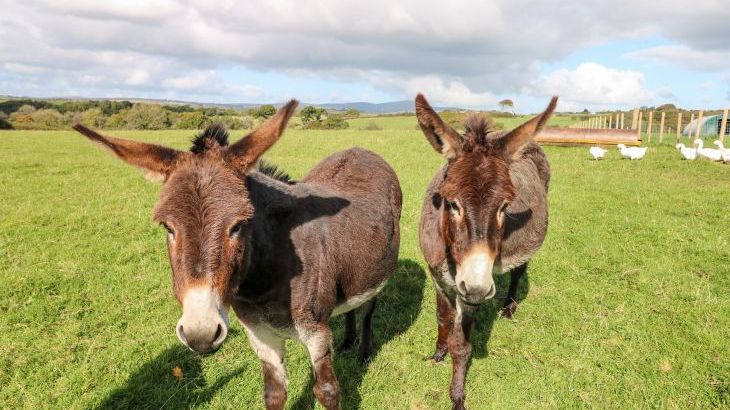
[710,126]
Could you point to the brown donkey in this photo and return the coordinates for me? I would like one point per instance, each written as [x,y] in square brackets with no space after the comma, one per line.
[285,255]
[485,212]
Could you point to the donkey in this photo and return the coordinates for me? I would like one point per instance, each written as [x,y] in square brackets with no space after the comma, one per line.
[285,255]
[485,212]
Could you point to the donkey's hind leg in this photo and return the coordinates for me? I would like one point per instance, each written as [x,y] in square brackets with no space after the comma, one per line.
[350,331]
[510,304]
[366,345]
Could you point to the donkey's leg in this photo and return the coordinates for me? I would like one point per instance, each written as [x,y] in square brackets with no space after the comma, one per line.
[366,345]
[460,350]
[510,305]
[350,331]
[270,349]
[445,318]
[318,339]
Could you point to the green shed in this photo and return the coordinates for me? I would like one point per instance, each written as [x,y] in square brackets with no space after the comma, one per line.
[710,126]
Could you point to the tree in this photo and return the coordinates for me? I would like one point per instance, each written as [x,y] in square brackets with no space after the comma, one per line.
[47,119]
[4,123]
[265,111]
[352,113]
[147,117]
[311,113]
[506,103]
[93,117]
[191,120]
[334,122]
[26,109]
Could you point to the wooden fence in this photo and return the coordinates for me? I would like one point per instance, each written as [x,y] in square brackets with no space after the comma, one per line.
[655,124]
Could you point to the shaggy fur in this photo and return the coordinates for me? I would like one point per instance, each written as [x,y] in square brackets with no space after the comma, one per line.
[486,172]
[283,254]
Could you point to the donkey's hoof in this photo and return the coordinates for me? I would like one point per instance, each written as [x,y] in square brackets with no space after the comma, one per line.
[364,356]
[458,405]
[439,355]
[509,310]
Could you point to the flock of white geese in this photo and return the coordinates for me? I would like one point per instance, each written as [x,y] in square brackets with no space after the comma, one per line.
[698,151]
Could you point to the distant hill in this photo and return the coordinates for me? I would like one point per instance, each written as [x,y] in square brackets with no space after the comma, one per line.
[364,107]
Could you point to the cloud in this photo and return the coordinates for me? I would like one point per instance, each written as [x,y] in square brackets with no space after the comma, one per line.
[592,84]
[687,57]
[467,51]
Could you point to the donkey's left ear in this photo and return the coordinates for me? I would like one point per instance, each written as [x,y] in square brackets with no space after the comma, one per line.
[246,151]
[156,161]
[514,140]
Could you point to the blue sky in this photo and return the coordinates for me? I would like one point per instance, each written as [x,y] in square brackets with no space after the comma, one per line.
[597,55]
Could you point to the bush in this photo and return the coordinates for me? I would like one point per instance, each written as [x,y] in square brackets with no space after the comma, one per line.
[372,126]
[265,111]
[147,117]
[191,120]
[334,122]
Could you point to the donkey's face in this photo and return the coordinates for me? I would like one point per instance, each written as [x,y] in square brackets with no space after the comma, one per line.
[475,193]
[205,208]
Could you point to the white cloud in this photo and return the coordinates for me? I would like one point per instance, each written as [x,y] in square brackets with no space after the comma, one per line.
[687,57]
[463,52]
[593,84]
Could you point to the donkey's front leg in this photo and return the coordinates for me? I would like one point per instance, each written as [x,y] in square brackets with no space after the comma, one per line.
[318,339]
[445,317]
[460,351]
[270,349]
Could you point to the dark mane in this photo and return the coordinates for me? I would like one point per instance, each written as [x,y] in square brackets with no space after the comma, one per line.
[477,126]
[273,171]
[213,134]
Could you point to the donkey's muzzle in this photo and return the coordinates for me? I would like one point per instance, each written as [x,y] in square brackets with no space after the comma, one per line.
[204,324]
[474,281]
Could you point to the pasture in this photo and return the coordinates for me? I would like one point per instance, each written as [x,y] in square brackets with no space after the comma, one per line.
[626,305]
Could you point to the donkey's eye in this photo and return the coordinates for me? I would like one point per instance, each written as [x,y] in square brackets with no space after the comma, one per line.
[453,207]
[237,228]
[168,229]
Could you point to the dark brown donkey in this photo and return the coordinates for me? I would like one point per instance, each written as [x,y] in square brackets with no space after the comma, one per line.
[286,256]
[485,212]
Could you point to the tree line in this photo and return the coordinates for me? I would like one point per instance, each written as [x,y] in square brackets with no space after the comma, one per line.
[53,115]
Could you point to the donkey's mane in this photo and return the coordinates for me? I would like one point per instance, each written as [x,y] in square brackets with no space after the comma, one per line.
[477,126]
[274,171]
[213,134]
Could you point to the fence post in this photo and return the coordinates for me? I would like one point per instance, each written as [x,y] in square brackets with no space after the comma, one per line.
[635,118]
[689,131]
[679,125]
[661,128]
[648,124]
[723,126]
[699,124]
[638,123]
[622,120]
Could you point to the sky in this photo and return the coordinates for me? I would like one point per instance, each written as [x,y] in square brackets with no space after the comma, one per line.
[597,55]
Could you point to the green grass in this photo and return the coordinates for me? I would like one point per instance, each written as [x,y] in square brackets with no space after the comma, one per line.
[626,306]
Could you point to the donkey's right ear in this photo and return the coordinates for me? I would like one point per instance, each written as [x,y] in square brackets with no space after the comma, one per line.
[156,161]
[444,139]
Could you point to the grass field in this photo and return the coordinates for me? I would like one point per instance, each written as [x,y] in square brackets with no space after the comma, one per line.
[627,304]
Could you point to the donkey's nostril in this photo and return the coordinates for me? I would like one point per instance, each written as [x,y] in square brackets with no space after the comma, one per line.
[218,332]
[181,334]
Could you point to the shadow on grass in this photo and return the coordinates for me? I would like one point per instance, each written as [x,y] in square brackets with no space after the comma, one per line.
[397,308]
[153,385]
[489,312]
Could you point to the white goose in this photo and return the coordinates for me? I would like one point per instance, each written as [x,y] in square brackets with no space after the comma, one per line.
[721,147]
[597,152]
[709,154]
[725,151]
[687,153]
[632,152]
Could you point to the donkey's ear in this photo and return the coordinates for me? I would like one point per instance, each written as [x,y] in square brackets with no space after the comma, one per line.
[514,140]
[442,137]
[156,161]
[246,151]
